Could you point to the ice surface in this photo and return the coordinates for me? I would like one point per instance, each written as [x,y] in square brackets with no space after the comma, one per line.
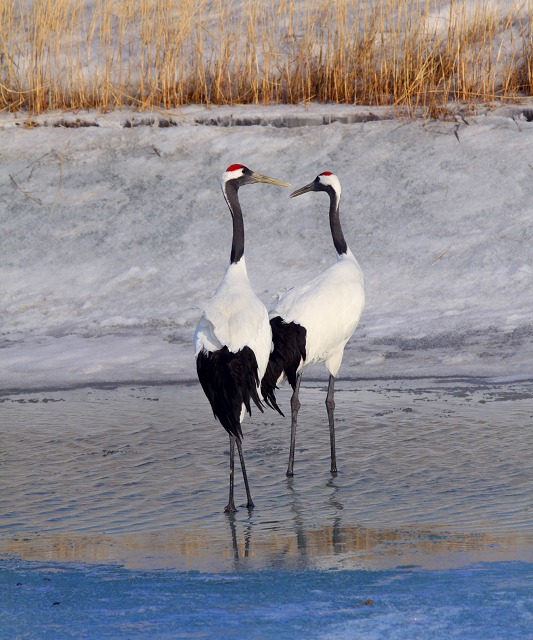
[113,237]
[478,602]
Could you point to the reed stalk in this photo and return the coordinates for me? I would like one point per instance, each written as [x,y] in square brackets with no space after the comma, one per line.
[153,54]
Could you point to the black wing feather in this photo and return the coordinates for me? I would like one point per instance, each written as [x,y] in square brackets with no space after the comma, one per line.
[288,339]
[229,380]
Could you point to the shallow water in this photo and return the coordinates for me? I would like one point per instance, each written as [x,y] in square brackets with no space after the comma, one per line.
[432,473]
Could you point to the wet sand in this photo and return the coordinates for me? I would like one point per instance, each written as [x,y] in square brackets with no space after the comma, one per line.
[433,473]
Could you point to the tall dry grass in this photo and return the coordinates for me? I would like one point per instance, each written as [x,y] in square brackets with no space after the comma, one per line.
[104,54]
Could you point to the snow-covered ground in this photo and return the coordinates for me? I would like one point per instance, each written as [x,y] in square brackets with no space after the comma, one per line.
[113,236]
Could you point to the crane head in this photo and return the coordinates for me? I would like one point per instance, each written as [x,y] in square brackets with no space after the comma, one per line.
[325,181]
[240,175]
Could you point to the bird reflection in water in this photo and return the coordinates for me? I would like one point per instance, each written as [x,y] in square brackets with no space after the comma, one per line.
[295,546]
[247,538]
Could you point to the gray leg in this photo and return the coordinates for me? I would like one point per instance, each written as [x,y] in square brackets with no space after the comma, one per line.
[250,504]
[330,406]
[230,507]
[295,406]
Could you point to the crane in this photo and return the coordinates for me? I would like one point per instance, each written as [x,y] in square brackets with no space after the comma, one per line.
[233,338]
[313,322]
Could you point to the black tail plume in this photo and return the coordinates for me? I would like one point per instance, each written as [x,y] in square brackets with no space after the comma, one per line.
[229,380]
[288,339]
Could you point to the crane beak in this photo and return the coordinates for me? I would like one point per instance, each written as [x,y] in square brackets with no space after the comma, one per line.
[298,192]
[258,177]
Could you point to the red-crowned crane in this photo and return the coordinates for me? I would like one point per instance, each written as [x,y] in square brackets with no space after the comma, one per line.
[233,338]
[312,323]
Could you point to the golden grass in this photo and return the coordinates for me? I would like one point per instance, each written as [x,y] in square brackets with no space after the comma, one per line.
[104,54]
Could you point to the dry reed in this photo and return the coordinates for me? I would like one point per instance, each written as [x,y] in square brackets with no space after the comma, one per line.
[104,54]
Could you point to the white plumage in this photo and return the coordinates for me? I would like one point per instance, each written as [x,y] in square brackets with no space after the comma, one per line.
[313,322]
[235,318]
[329,307]
[233,338]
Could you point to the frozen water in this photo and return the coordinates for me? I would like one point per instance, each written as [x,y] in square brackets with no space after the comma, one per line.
[481,602]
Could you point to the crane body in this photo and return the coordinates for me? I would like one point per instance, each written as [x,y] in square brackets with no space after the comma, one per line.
[233,337]
[312,323]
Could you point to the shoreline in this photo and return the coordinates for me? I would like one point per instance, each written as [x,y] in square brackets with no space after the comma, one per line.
[344,382]
[349,547]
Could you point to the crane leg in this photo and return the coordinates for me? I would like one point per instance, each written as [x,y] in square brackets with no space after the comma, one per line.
[230,507]
[250,504]
[330,406]
[295,407]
